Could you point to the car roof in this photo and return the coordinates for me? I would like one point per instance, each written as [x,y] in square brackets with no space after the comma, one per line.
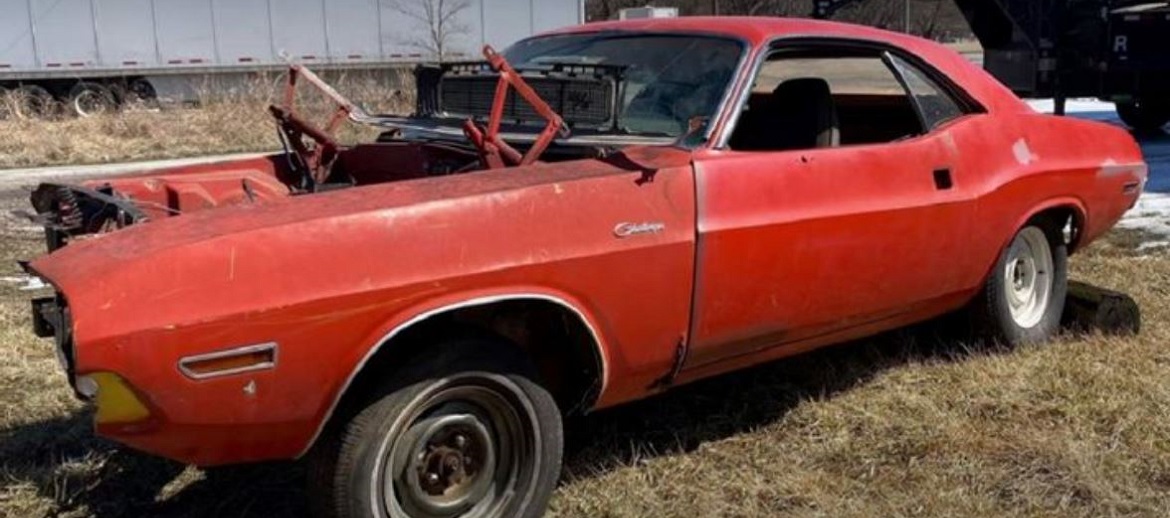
[757,31]
[753,29]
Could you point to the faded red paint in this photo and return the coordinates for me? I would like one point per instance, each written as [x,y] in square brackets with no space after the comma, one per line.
[760,255]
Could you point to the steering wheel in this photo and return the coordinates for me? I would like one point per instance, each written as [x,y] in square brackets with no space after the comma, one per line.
[316,156]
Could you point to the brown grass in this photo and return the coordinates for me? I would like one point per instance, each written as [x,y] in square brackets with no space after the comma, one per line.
[231,122]
[912,423]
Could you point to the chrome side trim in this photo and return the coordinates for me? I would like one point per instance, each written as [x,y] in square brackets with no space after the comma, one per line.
[185,361]
[451,307]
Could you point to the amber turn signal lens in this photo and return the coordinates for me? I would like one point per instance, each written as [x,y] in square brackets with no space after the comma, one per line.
[116,402]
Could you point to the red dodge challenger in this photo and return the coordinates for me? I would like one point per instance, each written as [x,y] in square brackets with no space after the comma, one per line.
[590,217]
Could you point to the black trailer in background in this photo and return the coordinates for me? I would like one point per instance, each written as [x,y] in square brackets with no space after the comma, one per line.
[1114,50]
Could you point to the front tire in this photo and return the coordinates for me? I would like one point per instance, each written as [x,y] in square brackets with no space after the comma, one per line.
[466,432]
[1023,297]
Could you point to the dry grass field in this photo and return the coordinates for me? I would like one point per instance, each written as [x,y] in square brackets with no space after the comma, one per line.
[237,121]
[918,422]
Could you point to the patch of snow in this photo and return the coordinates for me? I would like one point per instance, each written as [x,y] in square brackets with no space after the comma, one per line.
[28,282]
[1083,108]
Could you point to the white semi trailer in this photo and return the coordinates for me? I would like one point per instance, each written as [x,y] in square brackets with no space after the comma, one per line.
[95,54]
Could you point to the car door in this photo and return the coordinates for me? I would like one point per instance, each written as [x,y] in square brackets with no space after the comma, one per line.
[802,242]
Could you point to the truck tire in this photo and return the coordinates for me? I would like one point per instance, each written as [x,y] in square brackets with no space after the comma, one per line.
[1023,298]
[33,102]
[136,93]
[466,431]
[1144,116]
[87,99]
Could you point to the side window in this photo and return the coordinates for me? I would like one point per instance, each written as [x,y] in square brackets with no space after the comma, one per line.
[935,106]
[822,97]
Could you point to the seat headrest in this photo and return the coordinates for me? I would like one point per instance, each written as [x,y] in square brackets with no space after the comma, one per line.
[805,89]
[807,103]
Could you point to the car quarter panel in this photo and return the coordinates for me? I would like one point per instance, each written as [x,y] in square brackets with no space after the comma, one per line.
[328,277]
[1029,163]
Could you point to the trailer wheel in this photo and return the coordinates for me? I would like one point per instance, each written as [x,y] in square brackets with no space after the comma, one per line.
[88,99]
[140,93]
[32,102]
[1144,116]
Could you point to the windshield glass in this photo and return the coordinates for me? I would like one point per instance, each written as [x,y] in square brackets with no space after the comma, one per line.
[668,80]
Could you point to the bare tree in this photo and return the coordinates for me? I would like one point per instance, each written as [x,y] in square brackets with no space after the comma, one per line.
[439,19]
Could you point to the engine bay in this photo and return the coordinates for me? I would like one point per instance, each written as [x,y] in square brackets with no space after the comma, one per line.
[314,161]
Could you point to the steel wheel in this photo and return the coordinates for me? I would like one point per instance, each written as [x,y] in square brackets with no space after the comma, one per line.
[464,431]
[1028,277]
[458,450]
[1023,296]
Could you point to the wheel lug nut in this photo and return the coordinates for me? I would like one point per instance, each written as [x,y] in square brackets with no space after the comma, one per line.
[460,441]
[432,478]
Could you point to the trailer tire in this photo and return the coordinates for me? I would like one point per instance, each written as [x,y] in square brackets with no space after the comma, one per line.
[32,102]
[140,93]
[87,99]
[1144,116]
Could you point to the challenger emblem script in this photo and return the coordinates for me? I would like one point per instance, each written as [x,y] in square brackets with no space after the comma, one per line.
[633,229]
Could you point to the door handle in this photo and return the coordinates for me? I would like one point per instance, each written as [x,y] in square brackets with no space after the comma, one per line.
[942,179]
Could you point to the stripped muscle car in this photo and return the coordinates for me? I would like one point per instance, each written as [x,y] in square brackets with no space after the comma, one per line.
[589,217]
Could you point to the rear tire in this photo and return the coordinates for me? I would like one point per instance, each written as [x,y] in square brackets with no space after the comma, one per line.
[1023,297]
[1144,116]
[464,432]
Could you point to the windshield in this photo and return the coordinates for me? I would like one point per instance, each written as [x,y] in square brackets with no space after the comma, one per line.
[668,82]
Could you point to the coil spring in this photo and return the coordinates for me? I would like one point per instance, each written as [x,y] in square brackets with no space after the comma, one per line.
[68,208]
